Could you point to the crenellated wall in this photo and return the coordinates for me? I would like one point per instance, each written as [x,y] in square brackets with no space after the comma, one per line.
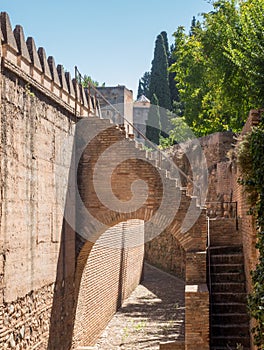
[21,57]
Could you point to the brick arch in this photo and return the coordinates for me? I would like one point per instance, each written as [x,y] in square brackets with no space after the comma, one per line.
[133,165]
[90,227]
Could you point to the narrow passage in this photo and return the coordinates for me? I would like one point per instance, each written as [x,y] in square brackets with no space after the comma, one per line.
[154,312]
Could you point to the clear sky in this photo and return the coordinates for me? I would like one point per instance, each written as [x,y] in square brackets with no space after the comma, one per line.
[110,40]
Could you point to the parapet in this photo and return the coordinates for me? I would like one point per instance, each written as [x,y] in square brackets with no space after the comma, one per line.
[31,64]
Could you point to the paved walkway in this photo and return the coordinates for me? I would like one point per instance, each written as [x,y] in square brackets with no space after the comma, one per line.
[154,312]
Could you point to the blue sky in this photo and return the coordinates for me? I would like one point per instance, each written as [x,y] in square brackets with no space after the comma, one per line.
[110,40]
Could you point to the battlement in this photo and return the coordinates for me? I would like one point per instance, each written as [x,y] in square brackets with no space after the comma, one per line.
[31,64]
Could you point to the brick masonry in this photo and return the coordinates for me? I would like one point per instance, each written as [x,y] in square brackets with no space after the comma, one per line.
[109,276]
[43,260]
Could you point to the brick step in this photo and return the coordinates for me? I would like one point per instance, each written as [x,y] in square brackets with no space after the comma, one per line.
[228,287]
[218,268]
[234,330]
[227,344]
[224,250]
[227,341]
[237,258]
[229,348]
[230,308]
[229,277]
[229,318]
[228,297]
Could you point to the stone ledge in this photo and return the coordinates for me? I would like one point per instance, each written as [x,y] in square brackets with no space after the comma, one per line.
[196,288]
[172,345]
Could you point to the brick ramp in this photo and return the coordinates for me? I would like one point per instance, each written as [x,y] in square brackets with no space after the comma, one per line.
[153,313]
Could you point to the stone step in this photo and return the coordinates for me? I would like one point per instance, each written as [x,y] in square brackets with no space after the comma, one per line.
[229,318]
[227,277]
[228,297]
[224,250]
[230,308]
[228,287]
[218,268]
[238,329]
[229,348]
[228,343]
[227,259]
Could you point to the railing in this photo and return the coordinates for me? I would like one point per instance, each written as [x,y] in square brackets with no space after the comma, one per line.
[155,152]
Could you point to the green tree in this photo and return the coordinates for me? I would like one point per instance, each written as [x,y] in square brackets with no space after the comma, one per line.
[143,85]
[153,125]
[177,106]
[87,80]
[159,82]
[245,49]
[189,68]
[166,43]
[180,132]
[218,66]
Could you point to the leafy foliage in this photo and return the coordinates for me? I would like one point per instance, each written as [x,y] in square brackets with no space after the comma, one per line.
[87,80]
[219,67]
[251,162]
[180,132]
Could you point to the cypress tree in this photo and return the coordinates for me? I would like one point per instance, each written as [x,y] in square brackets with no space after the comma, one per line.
[153,122]
[143,85]
[159,82]
[159,77]
[166,43]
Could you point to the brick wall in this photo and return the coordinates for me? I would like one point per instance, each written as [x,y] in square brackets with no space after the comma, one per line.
[224,231]
[110,275]
[248,227]
[197,313]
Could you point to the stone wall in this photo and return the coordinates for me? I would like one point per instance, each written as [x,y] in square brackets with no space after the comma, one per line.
[25,321]
[166,253]
[121,99]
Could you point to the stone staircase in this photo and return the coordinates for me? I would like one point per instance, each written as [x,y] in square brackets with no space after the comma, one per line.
[229,318]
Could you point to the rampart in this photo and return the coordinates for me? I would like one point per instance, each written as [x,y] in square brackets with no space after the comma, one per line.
[44,261]
[40,104]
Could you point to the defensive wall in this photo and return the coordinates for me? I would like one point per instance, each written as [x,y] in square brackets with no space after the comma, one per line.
[57,270]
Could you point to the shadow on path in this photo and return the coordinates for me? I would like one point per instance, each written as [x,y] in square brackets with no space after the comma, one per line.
[154,312]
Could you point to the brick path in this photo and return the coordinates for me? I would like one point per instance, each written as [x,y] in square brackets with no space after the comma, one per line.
[154,312]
